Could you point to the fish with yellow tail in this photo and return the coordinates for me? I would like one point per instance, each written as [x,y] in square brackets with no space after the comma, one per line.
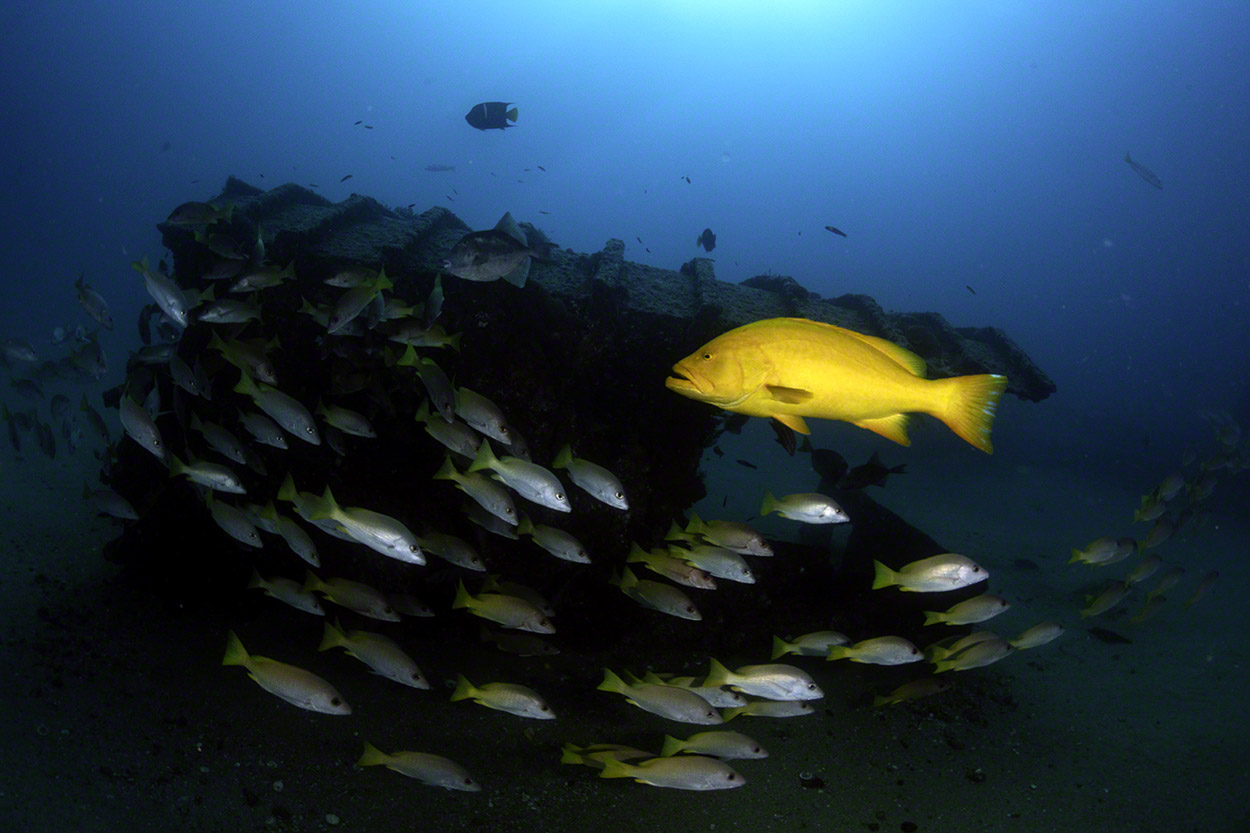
[791,368]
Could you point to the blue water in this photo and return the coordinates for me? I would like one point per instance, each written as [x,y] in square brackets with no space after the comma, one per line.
[973,153]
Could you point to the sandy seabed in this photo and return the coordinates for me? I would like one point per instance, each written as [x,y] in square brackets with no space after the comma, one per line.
[120,716]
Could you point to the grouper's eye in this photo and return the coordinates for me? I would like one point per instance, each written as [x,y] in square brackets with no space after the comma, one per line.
[707,357]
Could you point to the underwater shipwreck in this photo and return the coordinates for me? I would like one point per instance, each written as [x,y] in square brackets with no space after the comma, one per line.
[577,356]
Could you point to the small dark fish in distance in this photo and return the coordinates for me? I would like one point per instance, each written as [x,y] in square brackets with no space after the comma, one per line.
[194,181]
[358,121]
[368,127]
[411,204]
[527,170]
[344,179]
[540,211]
[970,289]
[448,196]
[719,453]
[1144,172]
[541,168]
[648,251]
[747,463]
[872,473]
[639,239]
[454,191]
[165,146]
[438,169]
[491,115]
[687,179]
[836,231]
[313,185]
[707,240]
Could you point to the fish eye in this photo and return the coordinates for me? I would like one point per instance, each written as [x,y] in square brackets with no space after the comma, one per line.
[559,495]
[416,675]
[308,430]
[811,686]
[509,511]
[755,749]
[544,707]
[388,609]
[707,357]
[731,776]
[334,701]
[619,495]
[468,782]
[690,608]
[412,548]
[543,623]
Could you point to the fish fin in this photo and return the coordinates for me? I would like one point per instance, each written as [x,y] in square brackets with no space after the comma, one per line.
[510,115]
[671,746]
[447,471]
[729,714]
[636,553]
[563,458]
[838,652]
[287,490]
[311,582]
[794,422]
[464,689]
[236,654]
[611,682]
[333,638]
[790,396]
[372,756]
[891,427]
[518,275]
[524,526]
[912,363]
[612,768]
[485,458]
[932,617]
[409,358]
[463,599]
[571,754]
[879,701]
[509,227]
[769,504]
[255,581]
[717,674]
[968,404]
[780,647]
[884,576]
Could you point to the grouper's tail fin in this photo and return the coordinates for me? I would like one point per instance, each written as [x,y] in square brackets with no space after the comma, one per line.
[967,405]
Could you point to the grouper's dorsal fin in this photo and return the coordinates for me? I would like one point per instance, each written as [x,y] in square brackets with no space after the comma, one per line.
[909,360]
[509,227]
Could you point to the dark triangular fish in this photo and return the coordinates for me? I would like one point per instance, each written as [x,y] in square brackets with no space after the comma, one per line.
[785,436]
[500,252]
[1144,172]
[491,115]
[835,231]
[47,440]
[829,464]
[707,240]
[872,473]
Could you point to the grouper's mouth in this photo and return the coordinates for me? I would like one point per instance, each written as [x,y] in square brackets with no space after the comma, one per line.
[687,385]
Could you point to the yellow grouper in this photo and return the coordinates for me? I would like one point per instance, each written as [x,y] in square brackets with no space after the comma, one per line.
[790,368]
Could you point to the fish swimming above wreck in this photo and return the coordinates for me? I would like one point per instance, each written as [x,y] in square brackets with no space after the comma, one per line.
[492,115]
[500,252]
[789,368]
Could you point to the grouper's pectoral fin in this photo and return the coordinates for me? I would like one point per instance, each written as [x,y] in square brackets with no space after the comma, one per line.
[794,422]
[891,427]
[790,396]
